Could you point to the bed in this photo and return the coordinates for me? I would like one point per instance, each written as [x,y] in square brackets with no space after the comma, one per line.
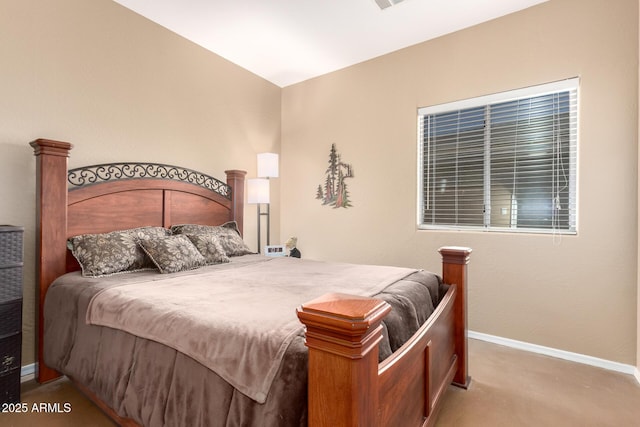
[340,364]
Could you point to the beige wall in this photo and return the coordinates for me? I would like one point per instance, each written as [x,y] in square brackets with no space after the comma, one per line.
[119,88]
[122,88]
[576,293]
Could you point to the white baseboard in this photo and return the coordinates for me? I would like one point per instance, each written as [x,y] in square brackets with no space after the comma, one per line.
[560,354]
[28,372]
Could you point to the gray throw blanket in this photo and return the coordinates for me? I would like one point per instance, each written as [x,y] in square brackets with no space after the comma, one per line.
[236,319]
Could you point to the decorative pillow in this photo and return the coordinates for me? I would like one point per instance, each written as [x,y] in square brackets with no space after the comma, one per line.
[114,252]
[210,248]
[173,253]
[144,233]
[227,234]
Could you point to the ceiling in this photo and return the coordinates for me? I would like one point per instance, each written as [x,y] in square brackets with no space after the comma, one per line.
[289,41]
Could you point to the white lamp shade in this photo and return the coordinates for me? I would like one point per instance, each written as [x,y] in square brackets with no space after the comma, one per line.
[258,190]
[267,165]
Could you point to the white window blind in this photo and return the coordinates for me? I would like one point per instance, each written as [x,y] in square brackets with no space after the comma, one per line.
[503,162]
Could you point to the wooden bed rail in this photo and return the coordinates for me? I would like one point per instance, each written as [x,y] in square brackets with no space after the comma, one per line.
[343,333]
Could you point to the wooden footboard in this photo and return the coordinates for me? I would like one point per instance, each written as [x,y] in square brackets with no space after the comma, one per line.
[347,386]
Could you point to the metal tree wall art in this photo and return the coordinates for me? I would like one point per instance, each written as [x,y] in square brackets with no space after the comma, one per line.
[334,190]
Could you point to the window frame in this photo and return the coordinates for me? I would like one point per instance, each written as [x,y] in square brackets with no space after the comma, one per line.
[572,84]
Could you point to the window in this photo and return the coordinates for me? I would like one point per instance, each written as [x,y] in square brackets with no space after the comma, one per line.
[503,162]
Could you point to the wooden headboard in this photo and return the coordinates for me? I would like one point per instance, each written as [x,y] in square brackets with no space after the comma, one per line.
[117,196]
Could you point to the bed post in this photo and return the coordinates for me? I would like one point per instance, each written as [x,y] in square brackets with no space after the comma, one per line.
[342,333]
[235,179]
[454,271]
[51,228]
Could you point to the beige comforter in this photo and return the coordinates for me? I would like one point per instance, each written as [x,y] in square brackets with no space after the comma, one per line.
[195,313]
[156,385]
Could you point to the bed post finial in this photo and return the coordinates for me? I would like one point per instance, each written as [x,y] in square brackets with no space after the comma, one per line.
[342,334]
[454,271]
[51,227]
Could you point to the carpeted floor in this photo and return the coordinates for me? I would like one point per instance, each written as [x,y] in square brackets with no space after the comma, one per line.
[508,388]
[517,388]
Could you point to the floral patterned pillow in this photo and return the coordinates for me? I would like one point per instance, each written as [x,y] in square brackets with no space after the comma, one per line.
[115,252]
[227,234]
[210,248]
[173,253]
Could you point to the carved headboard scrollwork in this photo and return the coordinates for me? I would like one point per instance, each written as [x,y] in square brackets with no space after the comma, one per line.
[105,172]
